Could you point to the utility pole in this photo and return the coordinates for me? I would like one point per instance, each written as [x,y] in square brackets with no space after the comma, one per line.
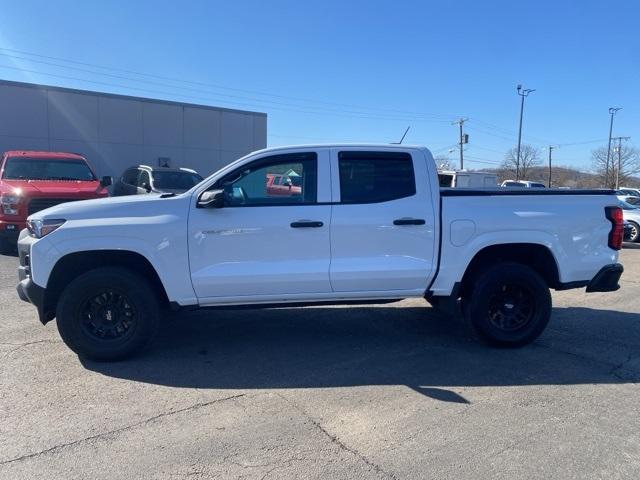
[551,147]
[464,138]
[612,112]
[523,93]
[618,150]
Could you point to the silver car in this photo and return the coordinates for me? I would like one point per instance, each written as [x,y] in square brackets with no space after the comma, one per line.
[631,214]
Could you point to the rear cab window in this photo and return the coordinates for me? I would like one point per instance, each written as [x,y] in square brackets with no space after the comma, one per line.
[375,177]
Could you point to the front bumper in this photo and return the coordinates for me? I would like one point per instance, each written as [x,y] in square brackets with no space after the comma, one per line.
[34,294]
[27,289]
[606,280]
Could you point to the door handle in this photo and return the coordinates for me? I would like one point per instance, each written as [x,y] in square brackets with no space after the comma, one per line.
[306,224]
[409,221]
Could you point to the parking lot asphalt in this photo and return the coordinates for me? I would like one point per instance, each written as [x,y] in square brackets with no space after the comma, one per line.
[391,391]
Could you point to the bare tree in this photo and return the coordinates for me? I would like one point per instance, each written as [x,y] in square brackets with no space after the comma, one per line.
[529,158]
[629,157]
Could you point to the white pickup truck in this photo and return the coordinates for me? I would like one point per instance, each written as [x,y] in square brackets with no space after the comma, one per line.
[316,224]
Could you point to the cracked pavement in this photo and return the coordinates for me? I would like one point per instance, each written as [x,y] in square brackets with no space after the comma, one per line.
[390,391]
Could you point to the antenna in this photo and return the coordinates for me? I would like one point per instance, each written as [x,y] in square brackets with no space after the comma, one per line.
[403,135]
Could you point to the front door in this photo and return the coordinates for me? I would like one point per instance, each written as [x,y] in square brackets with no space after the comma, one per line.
[264,245]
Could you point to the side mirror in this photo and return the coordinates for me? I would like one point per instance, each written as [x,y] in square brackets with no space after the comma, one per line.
[211,199]
[106,181]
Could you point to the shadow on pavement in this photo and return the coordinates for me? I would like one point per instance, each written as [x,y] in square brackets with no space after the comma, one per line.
[336,347]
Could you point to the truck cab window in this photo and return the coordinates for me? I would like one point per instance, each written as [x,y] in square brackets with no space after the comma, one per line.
[372,177]
[279,180]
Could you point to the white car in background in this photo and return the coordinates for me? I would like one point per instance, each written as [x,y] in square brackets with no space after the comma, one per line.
[522,183]
[624,196]
[464,179]
[631,214]
[635,192]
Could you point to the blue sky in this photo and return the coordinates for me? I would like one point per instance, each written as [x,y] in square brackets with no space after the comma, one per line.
[355,70]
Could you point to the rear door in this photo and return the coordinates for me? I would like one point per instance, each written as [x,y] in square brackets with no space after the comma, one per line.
[383,221]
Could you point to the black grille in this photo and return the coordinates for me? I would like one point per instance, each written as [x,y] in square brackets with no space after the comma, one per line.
[38,204]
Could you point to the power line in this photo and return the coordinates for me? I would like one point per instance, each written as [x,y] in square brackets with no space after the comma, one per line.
[506,131]
[216,94]
[586,142]
[209,98]
[393,115]
[442,117]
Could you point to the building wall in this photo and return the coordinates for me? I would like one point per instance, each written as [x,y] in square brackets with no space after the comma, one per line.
[115,131]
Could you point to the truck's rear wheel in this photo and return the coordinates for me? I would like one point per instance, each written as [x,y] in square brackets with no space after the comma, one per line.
[509,305]
[107,314]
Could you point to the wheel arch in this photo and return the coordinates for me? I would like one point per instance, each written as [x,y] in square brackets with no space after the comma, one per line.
[534,255]
[74,264]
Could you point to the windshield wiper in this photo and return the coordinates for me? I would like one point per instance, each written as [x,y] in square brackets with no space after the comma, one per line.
[167,195]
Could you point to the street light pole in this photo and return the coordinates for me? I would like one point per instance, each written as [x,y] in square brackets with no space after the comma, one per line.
[551,147]
[523,93]
[612,112]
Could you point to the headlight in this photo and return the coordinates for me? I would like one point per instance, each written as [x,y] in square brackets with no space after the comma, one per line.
[10,204]
[40,228]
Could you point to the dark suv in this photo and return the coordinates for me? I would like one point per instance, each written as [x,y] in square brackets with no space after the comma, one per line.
[143,179]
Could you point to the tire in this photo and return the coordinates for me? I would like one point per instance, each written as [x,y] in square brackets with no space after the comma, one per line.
[634,236]
[107,314]
[509,305]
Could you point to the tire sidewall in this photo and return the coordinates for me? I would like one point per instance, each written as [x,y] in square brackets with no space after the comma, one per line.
[486,286]
[637,237]
[123,281]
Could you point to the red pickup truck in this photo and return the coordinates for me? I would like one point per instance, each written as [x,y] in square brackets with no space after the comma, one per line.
[31,181]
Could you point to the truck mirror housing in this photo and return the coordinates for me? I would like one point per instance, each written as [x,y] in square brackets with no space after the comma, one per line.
[211,199]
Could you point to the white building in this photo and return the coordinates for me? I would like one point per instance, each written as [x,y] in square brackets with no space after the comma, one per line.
[117,131]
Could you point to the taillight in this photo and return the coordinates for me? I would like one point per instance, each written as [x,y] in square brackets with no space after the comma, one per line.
[614,215]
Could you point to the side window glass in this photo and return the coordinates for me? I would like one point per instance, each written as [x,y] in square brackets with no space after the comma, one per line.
[143,178]
[130,176]
[373,177]
[288,179]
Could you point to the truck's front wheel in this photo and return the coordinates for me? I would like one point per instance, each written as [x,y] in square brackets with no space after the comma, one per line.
[107,314]
[509,305]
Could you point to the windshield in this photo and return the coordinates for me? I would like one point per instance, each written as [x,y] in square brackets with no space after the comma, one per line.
[513,184]
[627,206]
[25,168]
[175,180]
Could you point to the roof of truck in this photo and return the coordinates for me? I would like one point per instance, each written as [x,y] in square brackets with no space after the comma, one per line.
[42,154]
[345,145]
